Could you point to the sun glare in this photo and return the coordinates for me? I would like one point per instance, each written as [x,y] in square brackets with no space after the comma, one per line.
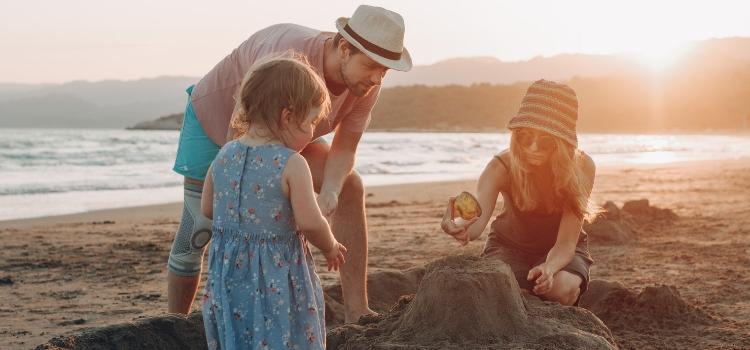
[656,150]
[659,157]
[659,57]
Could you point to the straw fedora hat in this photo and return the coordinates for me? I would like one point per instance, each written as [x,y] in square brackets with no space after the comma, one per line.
[379,33]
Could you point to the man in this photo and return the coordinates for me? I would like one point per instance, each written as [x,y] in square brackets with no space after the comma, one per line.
[353,64]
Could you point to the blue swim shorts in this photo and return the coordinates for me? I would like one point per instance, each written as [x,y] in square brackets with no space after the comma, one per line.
[195,151]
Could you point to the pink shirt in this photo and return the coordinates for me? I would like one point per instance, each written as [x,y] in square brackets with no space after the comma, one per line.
[213,96]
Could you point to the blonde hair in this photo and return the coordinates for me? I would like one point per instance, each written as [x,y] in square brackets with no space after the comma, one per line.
[569,182]
[278,81]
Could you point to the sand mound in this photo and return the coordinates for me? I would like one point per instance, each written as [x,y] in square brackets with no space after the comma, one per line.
[616,226]
[384,289]
[174,332]
[655,307]
[164,332]
[643,216]
[609,227]
[469,302]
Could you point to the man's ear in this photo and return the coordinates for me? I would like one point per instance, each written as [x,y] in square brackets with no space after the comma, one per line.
[343,48]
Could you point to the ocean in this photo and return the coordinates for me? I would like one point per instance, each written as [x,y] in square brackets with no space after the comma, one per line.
[49,172]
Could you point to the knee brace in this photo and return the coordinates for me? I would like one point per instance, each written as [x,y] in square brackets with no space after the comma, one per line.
[192,236]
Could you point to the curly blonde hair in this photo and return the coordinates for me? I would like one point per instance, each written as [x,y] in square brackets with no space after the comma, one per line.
[275,82]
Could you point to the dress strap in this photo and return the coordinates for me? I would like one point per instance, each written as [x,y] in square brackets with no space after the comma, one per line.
[502,161]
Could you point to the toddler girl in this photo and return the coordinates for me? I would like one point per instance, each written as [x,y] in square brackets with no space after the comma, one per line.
[262,290]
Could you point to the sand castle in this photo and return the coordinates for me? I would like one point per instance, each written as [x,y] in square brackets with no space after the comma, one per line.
[469,302]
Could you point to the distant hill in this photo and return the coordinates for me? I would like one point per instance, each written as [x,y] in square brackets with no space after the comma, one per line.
[721,53]
[53,111]
[736,47]
[68,111]
[490,70]
[169,122]
[699,101]
[106,92]
[104,104]
[707,88]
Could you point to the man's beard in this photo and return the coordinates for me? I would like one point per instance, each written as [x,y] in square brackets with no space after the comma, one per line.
[354,87]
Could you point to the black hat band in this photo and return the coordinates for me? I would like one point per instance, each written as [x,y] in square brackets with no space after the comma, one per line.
[372,47]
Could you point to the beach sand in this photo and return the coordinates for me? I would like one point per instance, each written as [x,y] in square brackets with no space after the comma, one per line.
[676,279]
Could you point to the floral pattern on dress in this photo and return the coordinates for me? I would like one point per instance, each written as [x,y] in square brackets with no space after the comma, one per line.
[262,290]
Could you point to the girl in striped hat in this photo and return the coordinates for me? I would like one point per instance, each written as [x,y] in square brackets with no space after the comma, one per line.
[546,182]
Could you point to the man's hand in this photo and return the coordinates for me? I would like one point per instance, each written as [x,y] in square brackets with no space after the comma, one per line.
[328,202]
[544,278]
[459,231]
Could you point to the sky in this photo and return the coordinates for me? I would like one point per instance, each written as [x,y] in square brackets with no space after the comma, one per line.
[52,41]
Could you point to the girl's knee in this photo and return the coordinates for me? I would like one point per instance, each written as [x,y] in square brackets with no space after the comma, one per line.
[564,294]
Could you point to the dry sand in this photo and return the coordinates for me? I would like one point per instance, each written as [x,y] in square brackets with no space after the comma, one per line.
[670,273]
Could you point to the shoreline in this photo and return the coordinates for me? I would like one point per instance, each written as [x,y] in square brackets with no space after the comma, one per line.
[174,209]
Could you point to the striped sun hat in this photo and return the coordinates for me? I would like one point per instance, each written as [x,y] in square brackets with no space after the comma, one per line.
[549,107]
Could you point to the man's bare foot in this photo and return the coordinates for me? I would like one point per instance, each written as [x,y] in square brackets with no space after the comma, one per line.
[353,317]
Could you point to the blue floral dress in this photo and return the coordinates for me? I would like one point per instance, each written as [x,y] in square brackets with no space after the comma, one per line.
[262,291]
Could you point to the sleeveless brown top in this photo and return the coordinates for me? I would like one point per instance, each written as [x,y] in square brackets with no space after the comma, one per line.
[533,232]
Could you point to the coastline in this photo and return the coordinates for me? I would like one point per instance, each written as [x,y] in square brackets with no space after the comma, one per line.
[125,214]
[173,210]
[83,179]
[70,273]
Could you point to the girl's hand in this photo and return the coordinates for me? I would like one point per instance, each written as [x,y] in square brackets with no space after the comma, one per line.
[335,256]
[328,202]
[544,278]
[459,231]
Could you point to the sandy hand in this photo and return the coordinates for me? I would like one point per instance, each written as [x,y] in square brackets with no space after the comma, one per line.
[544,278]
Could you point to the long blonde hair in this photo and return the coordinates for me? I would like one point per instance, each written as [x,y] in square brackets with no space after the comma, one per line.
[569,182]
[278,81]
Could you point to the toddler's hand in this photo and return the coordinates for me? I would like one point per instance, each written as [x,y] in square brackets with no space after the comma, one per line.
[335,256]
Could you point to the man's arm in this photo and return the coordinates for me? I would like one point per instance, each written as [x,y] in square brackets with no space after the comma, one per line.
[339,165]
